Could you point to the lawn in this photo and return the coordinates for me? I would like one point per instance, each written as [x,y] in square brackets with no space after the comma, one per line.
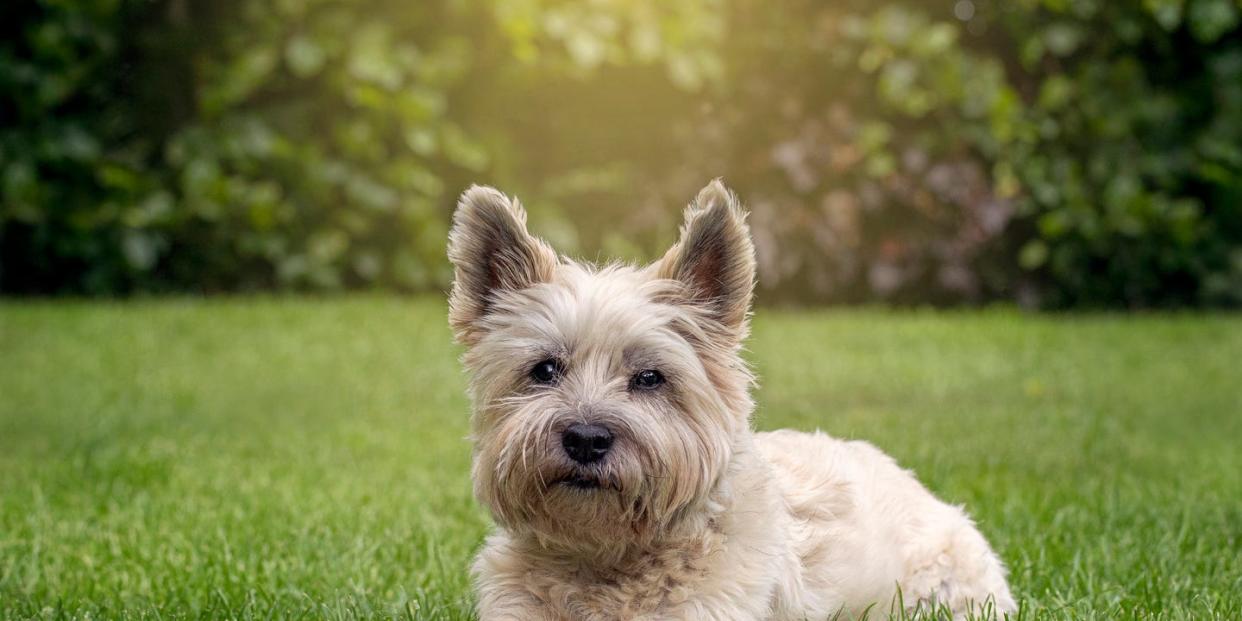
[306,458]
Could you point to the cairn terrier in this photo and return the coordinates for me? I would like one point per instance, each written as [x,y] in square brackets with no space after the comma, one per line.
[613,447]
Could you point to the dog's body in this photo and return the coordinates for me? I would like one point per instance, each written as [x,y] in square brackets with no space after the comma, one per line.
[613,447]
[807,526]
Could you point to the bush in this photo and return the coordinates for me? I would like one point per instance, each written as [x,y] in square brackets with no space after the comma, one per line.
[1056,152]
[1131,160]
[213,147]
[1063,153]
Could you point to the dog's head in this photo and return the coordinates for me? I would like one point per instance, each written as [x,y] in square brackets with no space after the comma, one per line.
[607,401]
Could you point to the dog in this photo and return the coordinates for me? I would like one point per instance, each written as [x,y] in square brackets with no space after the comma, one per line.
[612,445]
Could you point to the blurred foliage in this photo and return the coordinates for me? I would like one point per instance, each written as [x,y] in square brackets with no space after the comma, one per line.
[1056,152]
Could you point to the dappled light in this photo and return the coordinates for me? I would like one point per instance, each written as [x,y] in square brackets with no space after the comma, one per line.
[1050,153]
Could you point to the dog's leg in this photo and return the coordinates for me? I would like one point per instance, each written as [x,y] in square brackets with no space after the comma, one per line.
[960,572]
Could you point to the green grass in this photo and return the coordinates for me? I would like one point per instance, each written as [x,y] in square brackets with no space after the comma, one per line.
[294,458]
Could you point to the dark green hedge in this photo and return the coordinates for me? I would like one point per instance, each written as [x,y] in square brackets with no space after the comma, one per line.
[1055,152]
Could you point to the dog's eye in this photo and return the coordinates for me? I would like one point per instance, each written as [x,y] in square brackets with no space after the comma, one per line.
[546,371]
[646,380]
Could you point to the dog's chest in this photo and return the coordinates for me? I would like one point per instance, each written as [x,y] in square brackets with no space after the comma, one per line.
[650,584]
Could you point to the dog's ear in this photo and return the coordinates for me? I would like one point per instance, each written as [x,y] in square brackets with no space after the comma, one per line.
[715,259]
[491,253]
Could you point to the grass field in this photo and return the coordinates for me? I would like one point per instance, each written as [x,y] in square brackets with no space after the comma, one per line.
[294,458]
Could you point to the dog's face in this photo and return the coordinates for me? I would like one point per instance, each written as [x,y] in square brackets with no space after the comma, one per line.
[606,401]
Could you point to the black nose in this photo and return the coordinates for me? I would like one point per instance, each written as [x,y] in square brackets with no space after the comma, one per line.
[586,443]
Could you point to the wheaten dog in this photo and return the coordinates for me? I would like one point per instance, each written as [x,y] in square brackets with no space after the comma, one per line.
[613,447]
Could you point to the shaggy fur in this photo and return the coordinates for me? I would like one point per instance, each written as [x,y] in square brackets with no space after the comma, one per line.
[691,514]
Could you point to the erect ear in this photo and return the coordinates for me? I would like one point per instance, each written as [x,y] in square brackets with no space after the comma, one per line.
[491,253]
[714,259]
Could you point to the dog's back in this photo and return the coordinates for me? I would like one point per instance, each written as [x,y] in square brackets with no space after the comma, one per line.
[864,527]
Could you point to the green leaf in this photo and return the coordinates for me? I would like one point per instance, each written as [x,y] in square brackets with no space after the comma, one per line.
[1055,92]
[304,56]
[371,59]
[1033,255]
[142,250]
[1210,19]
[238,79]
[327,245]
[1063,39]
[1167,13]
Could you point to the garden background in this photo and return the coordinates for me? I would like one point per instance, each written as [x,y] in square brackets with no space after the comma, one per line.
[1055,153]
[191,428]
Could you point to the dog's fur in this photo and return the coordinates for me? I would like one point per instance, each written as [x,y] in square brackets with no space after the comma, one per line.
[693,515]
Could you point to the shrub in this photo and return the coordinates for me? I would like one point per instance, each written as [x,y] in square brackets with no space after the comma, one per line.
[1056,152]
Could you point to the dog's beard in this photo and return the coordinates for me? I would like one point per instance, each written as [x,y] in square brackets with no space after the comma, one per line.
[630,497]
[594,505]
